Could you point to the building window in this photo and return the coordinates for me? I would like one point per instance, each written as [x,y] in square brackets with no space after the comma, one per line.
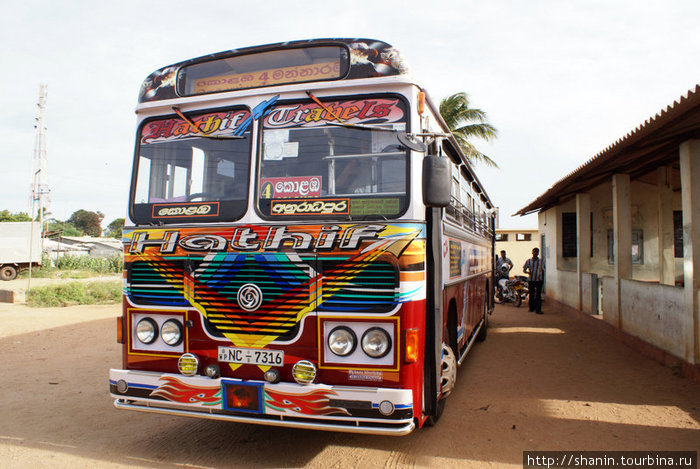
[501,236]
[568,234]
[523,237]
[677,233]
[637,247]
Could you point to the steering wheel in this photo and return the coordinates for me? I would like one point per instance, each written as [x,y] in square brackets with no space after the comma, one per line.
[202,195]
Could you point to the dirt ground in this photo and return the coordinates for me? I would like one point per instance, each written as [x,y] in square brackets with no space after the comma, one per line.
[549,382]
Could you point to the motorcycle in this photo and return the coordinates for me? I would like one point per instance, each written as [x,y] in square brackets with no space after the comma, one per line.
[521,286]
[508,290]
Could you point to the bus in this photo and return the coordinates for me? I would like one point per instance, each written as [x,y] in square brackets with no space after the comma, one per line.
[306,245]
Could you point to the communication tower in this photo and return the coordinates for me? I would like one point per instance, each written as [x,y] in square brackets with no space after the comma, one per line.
[40,176]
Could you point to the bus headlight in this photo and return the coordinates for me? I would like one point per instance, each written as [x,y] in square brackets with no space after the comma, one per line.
[171,332]
[146,331]
[342,341]
[376,342]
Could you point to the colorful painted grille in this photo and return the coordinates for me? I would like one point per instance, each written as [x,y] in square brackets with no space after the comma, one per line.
[289,284]
[365,287]
[156,283]
[284,280]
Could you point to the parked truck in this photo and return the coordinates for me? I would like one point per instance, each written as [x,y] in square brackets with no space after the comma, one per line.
[20,246]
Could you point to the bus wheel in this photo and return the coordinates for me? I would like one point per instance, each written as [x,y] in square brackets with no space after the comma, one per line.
[481,336]
[8,273]
[448,373]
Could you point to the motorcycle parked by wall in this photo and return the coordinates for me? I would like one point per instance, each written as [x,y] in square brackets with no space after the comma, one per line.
[508,293]
[505,289]
[521,286]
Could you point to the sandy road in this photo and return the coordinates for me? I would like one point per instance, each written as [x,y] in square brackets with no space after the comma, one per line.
[546,382]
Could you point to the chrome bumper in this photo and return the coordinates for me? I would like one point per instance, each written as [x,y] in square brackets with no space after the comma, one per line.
[315,406]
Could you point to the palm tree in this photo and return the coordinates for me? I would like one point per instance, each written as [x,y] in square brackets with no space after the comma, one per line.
[467,123]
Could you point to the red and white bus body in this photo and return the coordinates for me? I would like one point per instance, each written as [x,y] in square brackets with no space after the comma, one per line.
[281,267]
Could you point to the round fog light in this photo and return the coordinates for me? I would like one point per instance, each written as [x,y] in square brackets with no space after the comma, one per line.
[122,386]
[386,408]
[188,364]
[304,372]
[272,376]
[212,371]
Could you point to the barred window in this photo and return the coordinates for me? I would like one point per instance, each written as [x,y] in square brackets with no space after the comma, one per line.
[568,231]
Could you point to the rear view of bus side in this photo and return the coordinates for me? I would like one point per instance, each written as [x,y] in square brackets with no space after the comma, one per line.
[306,246]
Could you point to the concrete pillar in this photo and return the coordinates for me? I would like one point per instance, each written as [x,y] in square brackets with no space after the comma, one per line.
[622,231]
[667,265]
[690,187]
[583,241]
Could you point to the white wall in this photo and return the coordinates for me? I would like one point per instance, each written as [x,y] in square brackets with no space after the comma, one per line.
[609,301]
[563,286]
[654,313]
[589,294]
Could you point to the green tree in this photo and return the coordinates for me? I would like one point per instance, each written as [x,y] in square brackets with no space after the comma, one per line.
[114,229]
[467,124]
[64,228]
[6,215]
[88,222]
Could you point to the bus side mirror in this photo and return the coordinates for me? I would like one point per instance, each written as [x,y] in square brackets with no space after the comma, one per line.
[436,181]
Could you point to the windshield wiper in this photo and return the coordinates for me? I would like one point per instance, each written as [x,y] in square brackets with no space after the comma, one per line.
[341,122]
[199,132]
[406,139]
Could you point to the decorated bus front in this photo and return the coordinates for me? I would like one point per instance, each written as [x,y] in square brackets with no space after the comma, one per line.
[268,275]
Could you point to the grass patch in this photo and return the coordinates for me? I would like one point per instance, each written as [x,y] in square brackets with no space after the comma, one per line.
[75,293]
[61,274]
[76,267]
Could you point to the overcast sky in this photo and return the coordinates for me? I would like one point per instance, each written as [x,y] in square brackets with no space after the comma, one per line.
[561,80]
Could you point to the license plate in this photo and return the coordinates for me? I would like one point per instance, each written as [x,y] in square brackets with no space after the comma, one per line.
[251,356]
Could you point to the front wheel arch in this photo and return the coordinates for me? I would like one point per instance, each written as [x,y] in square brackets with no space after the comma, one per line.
[448,363]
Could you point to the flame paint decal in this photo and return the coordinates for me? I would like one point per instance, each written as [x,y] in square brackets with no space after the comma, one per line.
[312,403]
[177,391]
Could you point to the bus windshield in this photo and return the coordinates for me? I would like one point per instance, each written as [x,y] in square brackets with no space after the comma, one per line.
[182,173]
[312,165]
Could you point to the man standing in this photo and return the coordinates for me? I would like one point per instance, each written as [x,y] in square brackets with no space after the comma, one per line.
[534,268]
[503,260]
[503,266]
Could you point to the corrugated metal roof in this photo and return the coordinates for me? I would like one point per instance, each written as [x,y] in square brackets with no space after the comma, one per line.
[652,144]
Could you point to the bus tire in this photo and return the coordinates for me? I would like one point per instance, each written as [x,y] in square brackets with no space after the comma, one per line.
[448,371]
[8,272]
